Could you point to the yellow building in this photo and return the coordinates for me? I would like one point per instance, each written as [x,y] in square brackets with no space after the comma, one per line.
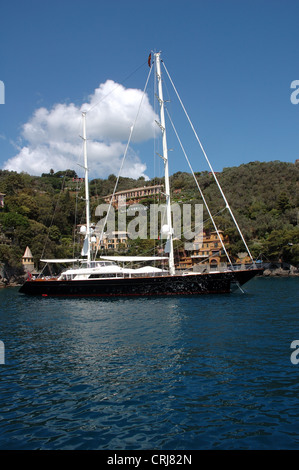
[113,241]
[207,249]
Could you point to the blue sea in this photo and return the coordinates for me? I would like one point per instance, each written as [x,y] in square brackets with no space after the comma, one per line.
[172,373]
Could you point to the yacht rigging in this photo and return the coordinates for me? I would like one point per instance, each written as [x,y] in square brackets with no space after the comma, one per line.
[109,276]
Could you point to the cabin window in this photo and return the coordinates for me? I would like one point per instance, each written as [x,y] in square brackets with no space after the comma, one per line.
[101,276]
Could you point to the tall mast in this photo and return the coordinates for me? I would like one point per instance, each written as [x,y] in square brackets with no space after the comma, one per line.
[166,171]
[87,237]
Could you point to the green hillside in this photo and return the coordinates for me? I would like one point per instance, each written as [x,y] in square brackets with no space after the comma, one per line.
[41,212]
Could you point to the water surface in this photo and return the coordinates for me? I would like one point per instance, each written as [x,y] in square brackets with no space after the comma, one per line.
[177,373]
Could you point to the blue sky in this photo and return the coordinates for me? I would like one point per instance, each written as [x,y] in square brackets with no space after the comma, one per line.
[232,62]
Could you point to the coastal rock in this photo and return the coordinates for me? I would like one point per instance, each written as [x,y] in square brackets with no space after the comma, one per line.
[280,272]
[12,282]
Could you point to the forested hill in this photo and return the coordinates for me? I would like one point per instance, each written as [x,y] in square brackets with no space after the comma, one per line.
[41,212]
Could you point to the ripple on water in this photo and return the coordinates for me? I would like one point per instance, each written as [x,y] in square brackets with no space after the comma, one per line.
[209,372]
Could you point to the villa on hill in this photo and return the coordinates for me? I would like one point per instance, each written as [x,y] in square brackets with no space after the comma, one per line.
[133,196]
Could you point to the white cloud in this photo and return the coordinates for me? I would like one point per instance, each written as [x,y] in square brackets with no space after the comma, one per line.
[50,139]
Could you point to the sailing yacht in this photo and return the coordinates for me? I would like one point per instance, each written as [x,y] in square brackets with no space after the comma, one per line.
[110,276]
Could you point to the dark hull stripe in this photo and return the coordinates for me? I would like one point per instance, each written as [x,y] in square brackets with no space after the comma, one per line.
[208,283]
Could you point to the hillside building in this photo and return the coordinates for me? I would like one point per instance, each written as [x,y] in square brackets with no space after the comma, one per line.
[133,196]
[206,249]
[114,241]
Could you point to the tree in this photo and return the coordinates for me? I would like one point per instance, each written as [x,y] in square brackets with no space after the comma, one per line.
[283,202]
[12,220]
[12,267]
[283,245]
[262,196]
[54,233]
[24,204]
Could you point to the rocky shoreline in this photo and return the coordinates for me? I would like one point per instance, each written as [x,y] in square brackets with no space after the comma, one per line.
[280,272]
[4,284]
[13,282]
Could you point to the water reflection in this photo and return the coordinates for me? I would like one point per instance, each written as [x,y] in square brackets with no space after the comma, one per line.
[168,373]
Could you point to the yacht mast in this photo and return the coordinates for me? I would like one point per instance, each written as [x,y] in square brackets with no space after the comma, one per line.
[87,236]
[166,171]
